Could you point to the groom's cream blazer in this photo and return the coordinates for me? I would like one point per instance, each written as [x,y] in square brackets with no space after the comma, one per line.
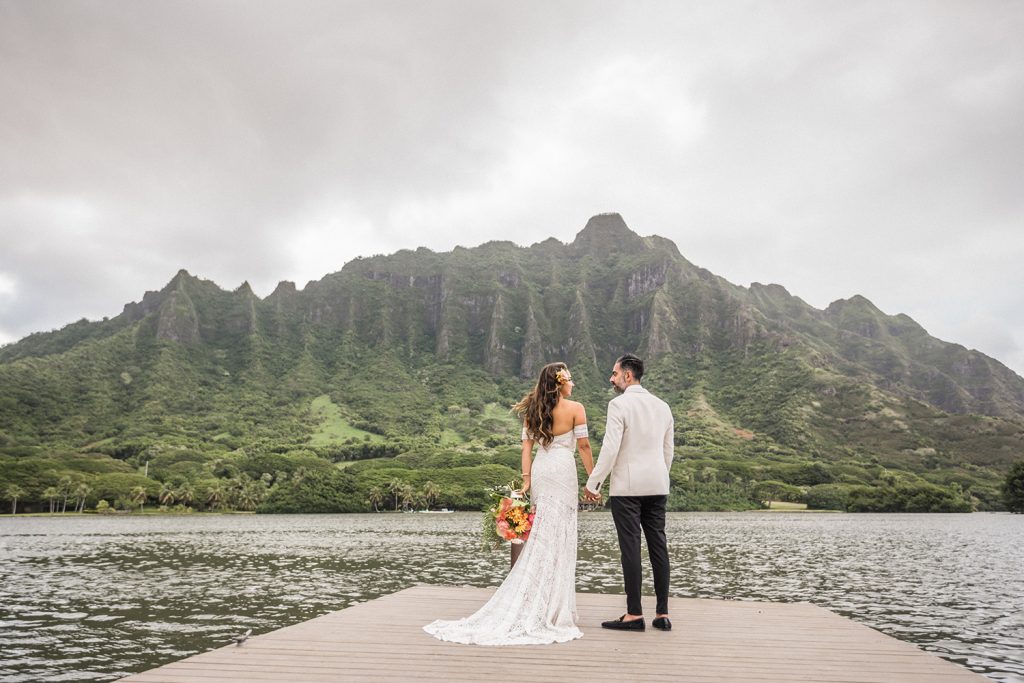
[637,446]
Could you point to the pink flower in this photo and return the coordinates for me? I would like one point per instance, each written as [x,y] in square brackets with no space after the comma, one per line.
[506,505]
[502,527]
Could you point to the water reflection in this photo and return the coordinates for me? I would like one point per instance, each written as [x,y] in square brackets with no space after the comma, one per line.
[95,598]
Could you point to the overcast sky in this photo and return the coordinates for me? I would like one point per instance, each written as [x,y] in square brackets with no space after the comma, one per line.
[836,148]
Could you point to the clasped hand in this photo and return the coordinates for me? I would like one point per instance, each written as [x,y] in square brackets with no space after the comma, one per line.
[591,497]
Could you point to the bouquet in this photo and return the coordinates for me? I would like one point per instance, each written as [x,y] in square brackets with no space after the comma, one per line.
[508,518]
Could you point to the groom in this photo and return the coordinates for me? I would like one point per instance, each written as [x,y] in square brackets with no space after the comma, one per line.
[637,452]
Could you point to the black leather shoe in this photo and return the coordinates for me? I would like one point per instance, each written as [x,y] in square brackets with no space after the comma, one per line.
[621,625]
[662,623]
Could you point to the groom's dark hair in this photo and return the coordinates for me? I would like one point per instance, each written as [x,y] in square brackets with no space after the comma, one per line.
[630,362]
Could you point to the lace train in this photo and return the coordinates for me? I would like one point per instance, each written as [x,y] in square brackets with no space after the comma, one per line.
[536,604]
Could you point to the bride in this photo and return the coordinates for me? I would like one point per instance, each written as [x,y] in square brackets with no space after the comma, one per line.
[536,604]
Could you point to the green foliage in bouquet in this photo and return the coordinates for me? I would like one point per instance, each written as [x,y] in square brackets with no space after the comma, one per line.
[508,518]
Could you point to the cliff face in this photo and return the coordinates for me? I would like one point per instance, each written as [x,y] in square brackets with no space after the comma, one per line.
[178,320]
[762,357]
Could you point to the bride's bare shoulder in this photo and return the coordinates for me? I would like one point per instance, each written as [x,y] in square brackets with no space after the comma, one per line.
[577,408]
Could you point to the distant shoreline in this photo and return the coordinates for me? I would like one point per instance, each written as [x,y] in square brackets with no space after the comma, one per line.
[399,512]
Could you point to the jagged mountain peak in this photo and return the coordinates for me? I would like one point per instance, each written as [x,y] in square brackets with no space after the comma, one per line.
[607,231]
[284,287]
[549,243]
[771,288]
[857,301]
[658,243]
[182,276]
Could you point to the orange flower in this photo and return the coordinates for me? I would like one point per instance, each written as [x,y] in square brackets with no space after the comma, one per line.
[512,517]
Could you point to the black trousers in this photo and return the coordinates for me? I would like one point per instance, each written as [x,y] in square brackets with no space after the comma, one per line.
[633,514]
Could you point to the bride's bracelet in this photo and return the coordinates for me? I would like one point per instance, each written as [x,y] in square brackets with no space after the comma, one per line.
[526,475]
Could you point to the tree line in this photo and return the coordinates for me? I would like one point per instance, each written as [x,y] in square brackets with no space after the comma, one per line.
[332,490]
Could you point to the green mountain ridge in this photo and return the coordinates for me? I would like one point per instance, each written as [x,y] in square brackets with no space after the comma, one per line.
[418,348]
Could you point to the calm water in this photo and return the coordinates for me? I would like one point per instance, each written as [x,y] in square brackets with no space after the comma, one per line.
[95,598]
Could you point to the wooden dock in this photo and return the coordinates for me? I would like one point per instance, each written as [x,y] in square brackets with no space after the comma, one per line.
[711,640]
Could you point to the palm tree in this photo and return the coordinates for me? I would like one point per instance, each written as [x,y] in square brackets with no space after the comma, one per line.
[215,496]
[258,492]
[50,494]
[430,493]
[244,499]
[408,495]
[233,491]
[250,495]
[82,492]
[376,497]
[186,494]
[166,495]
[395,489]
[64,486]
[13,493]
[138,495]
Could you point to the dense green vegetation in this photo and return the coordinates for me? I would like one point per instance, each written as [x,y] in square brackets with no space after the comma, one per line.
[1013,488]
[387,386]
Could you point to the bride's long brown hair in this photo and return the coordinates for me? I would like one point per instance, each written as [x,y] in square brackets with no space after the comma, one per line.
[535,408]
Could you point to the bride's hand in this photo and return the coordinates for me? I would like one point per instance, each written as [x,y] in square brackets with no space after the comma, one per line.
[526,487]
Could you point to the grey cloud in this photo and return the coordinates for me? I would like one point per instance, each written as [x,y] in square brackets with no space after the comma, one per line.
[834,148]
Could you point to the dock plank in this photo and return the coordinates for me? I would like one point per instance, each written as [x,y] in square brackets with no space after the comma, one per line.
[711,640]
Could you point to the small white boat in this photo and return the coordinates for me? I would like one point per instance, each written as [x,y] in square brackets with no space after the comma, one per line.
[442,511]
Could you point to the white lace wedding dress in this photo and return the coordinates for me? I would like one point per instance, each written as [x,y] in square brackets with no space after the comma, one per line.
[536,604]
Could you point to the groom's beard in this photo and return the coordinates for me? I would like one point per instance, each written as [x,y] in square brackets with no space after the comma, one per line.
[618,389]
